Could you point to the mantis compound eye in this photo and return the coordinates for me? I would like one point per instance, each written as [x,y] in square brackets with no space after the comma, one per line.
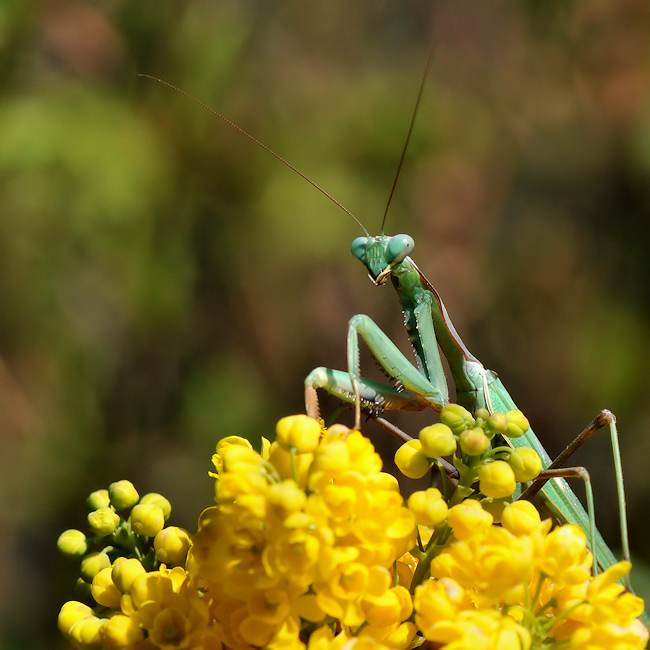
[399,247]
[359,247]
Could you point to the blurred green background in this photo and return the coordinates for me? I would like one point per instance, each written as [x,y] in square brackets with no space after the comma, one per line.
[164,282]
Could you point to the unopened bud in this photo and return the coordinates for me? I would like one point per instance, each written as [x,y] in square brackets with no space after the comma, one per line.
[72,543]
[411,460]
[474,442]
[525,463]
[123,494]
[457,418]
[103,521]
[86,633]
[497,480]
[517,423]
[437,440]
[125,572]
[72,612]
[428,506]
[160,501]
[298,431]
[497,423]
[520,518]
[92,564]
[97,499]
[172,544]
[147,519]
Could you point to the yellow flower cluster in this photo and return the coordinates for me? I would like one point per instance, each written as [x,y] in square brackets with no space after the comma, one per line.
[515,585]
[143,610]
[498,469]
[307,532]
[312,547]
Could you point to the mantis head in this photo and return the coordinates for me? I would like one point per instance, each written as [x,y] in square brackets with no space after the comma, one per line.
[381,254]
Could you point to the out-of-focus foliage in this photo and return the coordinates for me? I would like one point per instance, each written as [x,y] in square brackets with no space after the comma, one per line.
[164,282]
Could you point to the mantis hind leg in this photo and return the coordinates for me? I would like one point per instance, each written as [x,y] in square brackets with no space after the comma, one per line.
[604,418]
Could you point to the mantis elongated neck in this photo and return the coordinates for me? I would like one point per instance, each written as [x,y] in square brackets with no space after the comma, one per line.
[413,288]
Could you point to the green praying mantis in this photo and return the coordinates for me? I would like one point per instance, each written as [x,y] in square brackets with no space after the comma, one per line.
[421,386]
[416,387]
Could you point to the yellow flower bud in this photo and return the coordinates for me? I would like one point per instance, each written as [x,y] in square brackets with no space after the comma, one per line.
[103,521]
[86,633]
[474,442]
[298,431]
[160,501]
[72,543]
[497,423]
[496,479]
[70,613]
[104,590]
[92,564]
[125,572]
[121,632]
[411,460]
[457,418]
[520,518]
[468,518]
[147,519]
[172,544]
[437,440]
[428,506]
[123,495]
[517,424]
[525,463]
[98,499]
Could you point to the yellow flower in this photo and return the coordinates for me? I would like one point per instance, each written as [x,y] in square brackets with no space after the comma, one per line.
[125,571]
[496,479]
[474,442]
[299,432]
[70,613]
[437,440]
[457,418]
[121,632]
[87,633]
[171,545]
[104,590]
[428,506]
[411,460]
[520,518]
[525,463]
[468,518]
[517,424]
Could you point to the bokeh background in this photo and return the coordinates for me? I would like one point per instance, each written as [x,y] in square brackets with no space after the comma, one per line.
[164,282]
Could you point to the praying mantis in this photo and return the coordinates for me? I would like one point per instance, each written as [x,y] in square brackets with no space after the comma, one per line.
[424,385]
[430,330]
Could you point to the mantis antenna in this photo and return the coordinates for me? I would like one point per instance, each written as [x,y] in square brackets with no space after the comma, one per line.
[256,141]
[434,47]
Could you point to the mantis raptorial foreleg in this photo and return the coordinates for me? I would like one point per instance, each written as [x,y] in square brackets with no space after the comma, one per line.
[412,392]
